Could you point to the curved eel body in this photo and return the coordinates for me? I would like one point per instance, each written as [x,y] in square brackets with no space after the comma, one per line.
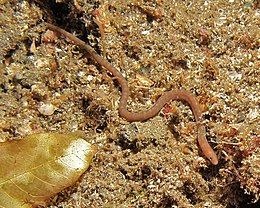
[151,112]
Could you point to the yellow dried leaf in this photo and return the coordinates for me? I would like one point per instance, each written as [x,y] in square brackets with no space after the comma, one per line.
[40,165]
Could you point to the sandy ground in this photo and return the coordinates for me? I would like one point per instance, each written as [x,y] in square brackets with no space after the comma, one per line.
[210,48]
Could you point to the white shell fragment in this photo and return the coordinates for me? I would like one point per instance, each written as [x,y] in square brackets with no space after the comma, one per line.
[46,109]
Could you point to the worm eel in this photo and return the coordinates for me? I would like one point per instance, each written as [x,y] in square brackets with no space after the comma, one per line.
[144,115]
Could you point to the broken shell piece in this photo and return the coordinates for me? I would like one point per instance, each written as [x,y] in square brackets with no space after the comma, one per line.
[144,81]
[46,109]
